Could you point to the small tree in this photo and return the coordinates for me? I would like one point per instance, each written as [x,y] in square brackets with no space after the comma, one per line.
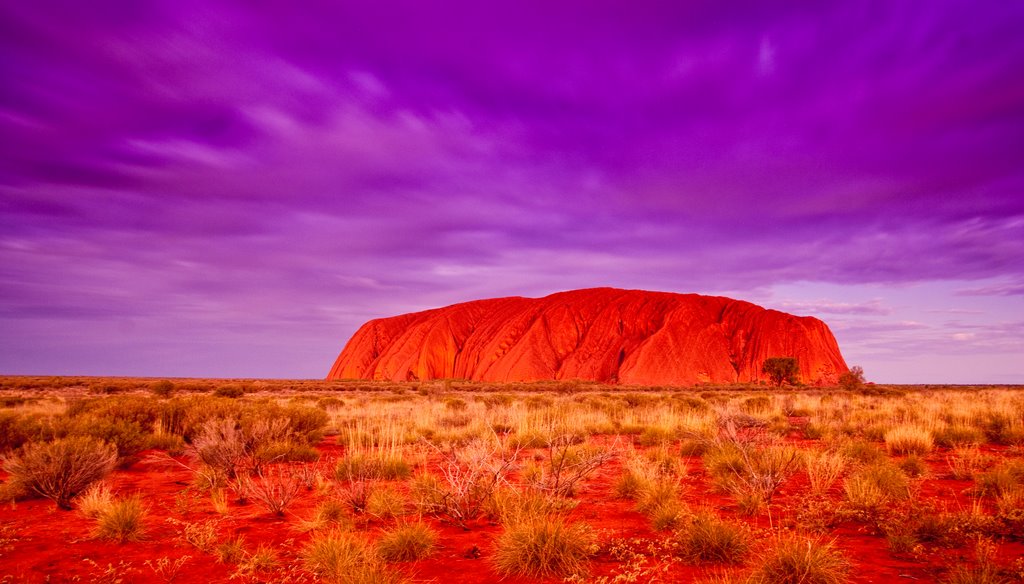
[781,370]
[852,379]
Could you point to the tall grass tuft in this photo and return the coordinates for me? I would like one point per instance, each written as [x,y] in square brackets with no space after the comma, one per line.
[794,559]
[407,542]
[823,470]
[909,440]
[708,538]
[95,500]
[344,558]
[121,520]
[544,547]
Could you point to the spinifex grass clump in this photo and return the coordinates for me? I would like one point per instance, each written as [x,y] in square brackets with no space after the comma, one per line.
[871,488]
[344,558]
[823,469]
[909,440]
[544,546]
[707,538]
[407,542]
[376,455]
[94,500]
[121,520]
[793,559]
[654,485]
[63,468]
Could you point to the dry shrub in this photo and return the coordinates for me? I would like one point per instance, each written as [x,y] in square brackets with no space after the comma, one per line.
[61,469]
[568,463]
[471,476]
[201,535]
[220,447]
[750,465]
[274,487]
[965,462]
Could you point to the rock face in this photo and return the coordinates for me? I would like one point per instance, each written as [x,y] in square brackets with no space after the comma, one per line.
[602,334]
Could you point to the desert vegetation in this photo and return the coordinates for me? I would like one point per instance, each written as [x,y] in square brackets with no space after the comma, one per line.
[306,481]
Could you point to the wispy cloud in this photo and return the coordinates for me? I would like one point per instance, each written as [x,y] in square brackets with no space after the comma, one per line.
[186,172]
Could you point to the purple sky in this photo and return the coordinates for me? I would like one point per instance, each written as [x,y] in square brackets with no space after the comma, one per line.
[208,189]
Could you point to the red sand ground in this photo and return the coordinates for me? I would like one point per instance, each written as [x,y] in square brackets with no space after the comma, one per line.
[40,543]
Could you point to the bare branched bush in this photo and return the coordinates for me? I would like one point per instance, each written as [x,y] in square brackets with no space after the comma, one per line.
[274,487]
[221,447]
[61,469]
[567,463]
[470,477]
[750,464]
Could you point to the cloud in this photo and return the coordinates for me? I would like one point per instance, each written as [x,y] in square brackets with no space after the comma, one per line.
[1001,289]
[215,170]
[874,307]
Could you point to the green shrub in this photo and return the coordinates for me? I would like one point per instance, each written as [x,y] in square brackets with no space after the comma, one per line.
[12,431]
[307,423]
[229,391]
[127,436]
[134,409]
[63,468]
[162,388]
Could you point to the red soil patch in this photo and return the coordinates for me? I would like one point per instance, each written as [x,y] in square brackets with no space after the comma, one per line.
[39,543]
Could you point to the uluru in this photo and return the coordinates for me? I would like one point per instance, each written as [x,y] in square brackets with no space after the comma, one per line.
[608,335]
